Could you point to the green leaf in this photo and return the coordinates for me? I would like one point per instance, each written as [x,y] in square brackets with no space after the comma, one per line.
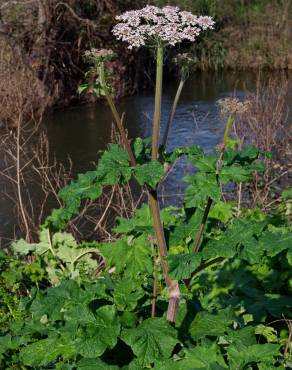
[274,242]
[141,222]
[23,248]
[248,154]
[186,230]
[152,340]
[221,211]
[207,358]
[86,187]
[257,167]
[134,258]
[181,266]
[268,332]
[207,164]
[91,364]
[138,147]
[234,173]
[244,336]
[99,334]
[201,186]
[82,88]
[114,167]
[240,356]
[193,152]
[127,293]
[71,256]
[289,257]
[287,194]
[59,218]
[240,232]
[207,324]
[252,252]
[61,239]
[44,351]
[149,173]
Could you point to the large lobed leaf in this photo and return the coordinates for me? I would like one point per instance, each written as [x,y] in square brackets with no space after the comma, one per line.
[154,339]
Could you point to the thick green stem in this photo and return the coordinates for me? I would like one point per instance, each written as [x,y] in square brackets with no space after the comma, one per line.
[228,128]
[116,116]
[158,99]
[173,288]
[172,112]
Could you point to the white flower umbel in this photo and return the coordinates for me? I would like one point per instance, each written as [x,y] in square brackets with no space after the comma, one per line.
[165,26]
[98,56]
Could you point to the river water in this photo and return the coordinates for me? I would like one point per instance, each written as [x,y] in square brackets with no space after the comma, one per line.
[80,132]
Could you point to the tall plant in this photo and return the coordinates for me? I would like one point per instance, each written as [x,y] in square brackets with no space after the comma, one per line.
[159,29]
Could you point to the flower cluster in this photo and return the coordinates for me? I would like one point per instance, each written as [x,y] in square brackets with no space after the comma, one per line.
[233,106]
[152,25]
[97,56]
[184,58]
[185,61]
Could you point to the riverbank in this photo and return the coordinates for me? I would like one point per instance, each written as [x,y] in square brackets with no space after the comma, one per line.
[253,34]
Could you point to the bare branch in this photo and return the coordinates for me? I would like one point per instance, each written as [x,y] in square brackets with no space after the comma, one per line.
[87,21]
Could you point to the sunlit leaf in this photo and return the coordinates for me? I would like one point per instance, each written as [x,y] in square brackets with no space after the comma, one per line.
[152,340]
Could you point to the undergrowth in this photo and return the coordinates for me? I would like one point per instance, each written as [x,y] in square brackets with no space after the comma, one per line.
[204,286]
[70,305]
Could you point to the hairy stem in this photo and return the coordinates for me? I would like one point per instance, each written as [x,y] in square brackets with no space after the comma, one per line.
[228,127]
[158,99]
[116,115]
[155,211]
[172,112]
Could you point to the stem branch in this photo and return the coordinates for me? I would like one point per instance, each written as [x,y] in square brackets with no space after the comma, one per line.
[172,112]
[116,116]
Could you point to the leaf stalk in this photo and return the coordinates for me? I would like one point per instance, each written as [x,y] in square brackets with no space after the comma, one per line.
[116,115]
[173,110]
[228,127]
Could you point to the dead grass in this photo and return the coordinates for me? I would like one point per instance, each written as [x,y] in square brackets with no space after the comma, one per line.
[267,125]
[22,95]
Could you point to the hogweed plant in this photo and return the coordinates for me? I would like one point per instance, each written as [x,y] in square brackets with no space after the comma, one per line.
[110,305]
[159,29]
[230,108]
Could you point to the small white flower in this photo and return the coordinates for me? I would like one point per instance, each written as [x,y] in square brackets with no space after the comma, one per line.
[167,25]
[99,54]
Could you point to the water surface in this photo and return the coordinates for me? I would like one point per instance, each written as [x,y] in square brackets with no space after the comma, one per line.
[81,132]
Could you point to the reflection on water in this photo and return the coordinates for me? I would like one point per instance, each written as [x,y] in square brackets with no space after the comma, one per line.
[81,132]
